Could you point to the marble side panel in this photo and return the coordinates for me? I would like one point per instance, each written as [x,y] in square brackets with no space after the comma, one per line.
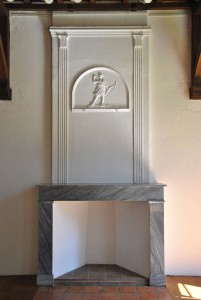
[156,241]
[45,280]
[157,280]
[45,239]
[141,192]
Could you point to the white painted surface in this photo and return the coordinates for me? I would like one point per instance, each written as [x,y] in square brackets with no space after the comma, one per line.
[132,236]
[100,148]
[69,236]
[120,18]
[101,233]
[175,141]
[25,142]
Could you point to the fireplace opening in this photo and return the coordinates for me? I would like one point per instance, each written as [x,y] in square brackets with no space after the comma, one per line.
[101,242]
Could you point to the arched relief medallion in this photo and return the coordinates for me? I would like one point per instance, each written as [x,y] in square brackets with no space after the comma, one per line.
[100,89]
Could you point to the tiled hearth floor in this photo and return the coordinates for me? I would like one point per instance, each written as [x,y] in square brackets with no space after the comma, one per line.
[24,288]
[101,275]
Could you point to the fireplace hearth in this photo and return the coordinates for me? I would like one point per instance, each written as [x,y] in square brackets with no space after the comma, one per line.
[102,275]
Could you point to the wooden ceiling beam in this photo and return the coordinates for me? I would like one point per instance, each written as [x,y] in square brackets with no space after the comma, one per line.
[3,9]
[3,63]
[198,66]
[195,90]
[93,5]
[5,91]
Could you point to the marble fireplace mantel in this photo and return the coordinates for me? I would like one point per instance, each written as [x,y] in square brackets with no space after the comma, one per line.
[151,193]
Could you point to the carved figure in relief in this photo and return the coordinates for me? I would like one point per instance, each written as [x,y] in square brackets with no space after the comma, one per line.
[101,91]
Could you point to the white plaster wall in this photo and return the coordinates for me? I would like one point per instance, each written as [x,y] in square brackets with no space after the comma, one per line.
[100,145]
[69,236]
[101,233]
[175,141]
[25,132]
[132,236]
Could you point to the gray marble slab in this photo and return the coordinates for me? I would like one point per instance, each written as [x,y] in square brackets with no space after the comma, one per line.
[45,280]
[157,244]
[101,192]
[157,280]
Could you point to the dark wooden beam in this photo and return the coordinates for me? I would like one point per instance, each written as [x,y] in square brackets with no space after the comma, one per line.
[5,91]
[195,90]
[3,9]
[3,63]
[93,5]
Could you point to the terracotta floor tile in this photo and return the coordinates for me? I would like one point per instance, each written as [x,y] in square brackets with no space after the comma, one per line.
[73,296]
[148,297]
[128,289]
[92,296]
[111,296]
[130,296]
[167,297]
[93,289]
[76,289]
[162,292]
[147,290]
[40,296]
[111,289]
[58,289]
[42,289]
[55,296]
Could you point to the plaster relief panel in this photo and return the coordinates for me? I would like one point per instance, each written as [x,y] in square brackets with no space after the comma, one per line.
[100,104]
[100,89]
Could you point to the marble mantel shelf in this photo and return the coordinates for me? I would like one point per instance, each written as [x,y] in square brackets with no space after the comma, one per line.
[101,192]
[151,193]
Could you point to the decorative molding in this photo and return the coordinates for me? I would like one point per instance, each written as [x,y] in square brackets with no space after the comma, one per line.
[63,40]
[62,111]
[137,41]
[99,90]
[138,109]
[101,31]
[61,95]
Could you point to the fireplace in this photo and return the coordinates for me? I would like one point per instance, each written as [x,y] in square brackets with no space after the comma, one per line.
[153,194]
[100,148]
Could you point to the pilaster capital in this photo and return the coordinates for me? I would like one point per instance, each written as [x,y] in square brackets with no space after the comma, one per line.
[63,40]
[138,40]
